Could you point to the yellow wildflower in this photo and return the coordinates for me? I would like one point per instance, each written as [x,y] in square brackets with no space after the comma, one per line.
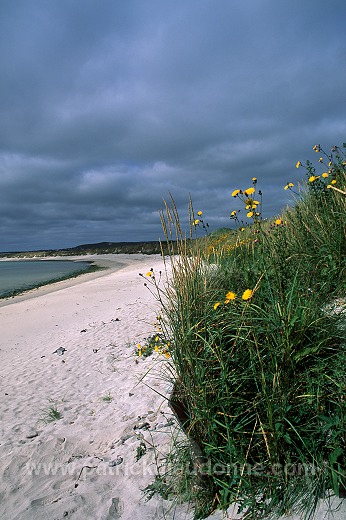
[298,164]
[325,175]
[289,185]
[200,213]
[278,221]
[156,348]
[247,294]
[250,214]
[216,305]
[333,181]
[235,193]
[156,339]
[196,222]
[230,296]
[233,214]
[149,273]
[330,163]
[254,179]
[167,354]
[313,178]
[320,159]
[249,191]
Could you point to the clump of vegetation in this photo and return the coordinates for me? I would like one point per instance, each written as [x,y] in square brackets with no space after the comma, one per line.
[259,349]
[51,413]
[107,398]
[157,342]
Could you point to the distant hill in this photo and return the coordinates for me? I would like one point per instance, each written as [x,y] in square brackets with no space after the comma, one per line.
[148,248]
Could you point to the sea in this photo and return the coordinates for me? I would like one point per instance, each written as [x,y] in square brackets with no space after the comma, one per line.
[20,275]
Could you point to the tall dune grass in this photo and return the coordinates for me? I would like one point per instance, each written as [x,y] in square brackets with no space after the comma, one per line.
[258,347]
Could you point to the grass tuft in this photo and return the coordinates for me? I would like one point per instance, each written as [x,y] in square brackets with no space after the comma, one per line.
[51,413]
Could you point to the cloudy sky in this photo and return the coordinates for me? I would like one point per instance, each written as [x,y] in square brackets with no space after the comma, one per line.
[107,106]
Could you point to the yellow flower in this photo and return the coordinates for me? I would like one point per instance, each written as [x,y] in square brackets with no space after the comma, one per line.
[289,185]
[235,193]
[139,346]
[278,221]
[298,164]
[156,338]
[196,222]
[156,348]
[320,159]
[313,178]
[333,181]
[330,163]
[325,175]
[233,214]
[200,213]
[216,305]
[149,273]
[249,214]
[167,354]
[247,294]
[254,179]
[249,191]
[230,296]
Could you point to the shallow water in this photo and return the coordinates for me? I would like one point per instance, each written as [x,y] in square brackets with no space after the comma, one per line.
[17,275]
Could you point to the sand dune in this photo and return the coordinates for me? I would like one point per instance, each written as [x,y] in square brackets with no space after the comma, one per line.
[70,350]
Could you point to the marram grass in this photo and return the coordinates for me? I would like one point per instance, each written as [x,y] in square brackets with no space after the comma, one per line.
[258,348]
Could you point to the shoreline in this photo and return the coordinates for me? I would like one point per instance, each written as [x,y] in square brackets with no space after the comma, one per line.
[71,348]
[72,351]
[108,263]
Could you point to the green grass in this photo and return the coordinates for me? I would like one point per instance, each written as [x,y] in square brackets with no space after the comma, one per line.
[260,372]
[107,398]
[51,413]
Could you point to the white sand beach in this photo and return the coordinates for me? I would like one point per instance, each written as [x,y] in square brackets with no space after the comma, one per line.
[83,465]
[96,386]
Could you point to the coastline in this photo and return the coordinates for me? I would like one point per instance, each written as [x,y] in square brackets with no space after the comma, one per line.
[85,463]
[72,350]
[107,262]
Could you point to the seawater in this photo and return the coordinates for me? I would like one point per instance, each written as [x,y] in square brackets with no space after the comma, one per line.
[20,275]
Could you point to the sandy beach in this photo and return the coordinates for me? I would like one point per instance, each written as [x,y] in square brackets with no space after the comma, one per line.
[82,465]
[71,347]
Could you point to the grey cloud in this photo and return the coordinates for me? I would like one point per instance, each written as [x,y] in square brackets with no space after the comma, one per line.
[108,107]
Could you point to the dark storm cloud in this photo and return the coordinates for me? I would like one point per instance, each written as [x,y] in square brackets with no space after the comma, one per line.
[108,106]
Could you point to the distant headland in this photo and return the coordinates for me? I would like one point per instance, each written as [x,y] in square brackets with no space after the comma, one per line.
[147,248]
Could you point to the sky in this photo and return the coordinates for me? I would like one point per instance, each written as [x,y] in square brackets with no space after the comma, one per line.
[109,106]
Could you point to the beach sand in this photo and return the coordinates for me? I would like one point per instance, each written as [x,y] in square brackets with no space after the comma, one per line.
[83,466]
